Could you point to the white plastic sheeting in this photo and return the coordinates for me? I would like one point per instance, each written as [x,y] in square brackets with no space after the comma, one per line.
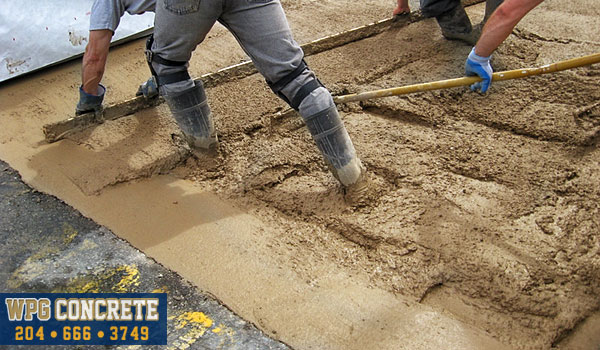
[38,33]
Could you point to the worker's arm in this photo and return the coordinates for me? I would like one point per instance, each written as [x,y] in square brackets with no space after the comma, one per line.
[94,60]
[402,8]
[497,28]
[91,93]
[501,23]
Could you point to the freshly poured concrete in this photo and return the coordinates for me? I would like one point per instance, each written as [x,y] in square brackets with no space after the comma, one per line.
[484,230]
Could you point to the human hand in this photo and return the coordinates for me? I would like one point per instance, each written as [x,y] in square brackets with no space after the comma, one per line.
[148,88]
[88,102]
[480,66]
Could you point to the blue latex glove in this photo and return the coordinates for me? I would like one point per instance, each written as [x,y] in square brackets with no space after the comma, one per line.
[480,66]
[89,103]
[148,88]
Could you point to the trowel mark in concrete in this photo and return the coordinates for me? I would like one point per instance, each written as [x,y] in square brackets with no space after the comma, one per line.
[478,202]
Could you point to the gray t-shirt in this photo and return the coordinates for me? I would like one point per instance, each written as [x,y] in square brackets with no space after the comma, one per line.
[106,14]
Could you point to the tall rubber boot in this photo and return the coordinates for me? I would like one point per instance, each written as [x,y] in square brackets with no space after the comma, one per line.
[332,139]
[192,113]
[456,25]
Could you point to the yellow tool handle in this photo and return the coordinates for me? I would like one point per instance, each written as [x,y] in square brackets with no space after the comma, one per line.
[450,83]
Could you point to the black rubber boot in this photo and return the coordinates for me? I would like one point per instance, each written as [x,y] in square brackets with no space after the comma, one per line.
[456,25]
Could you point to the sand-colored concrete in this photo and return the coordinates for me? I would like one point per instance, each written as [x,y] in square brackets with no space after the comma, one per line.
[484,230]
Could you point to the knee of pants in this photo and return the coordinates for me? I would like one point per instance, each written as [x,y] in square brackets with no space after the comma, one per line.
[317,100]
[175,87]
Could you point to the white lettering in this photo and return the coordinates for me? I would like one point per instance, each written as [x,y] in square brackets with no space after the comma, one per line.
[87,310]
[139,304]
[151,310]
[112,309]
[73,309]
[100,316]
[126,310]
[58,313]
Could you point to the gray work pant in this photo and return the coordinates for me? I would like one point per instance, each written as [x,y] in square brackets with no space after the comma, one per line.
[435,8]
[260,27]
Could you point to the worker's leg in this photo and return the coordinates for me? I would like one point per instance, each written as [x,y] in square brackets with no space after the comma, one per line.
[180,25]
[262,29]
[452,19]
[434,8]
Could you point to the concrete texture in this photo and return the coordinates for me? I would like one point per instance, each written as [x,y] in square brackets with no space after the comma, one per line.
[47,246]
[484,233]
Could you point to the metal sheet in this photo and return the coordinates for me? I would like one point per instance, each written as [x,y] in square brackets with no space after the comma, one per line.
[36,34]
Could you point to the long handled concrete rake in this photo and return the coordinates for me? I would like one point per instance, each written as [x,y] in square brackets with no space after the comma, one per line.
[465,81]
[56,131]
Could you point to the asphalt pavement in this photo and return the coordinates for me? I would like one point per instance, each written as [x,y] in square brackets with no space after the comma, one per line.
[47,246]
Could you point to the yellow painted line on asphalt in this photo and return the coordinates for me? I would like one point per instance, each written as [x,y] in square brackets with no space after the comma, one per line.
[97,283]
[69,233]
[163,289]
[194,318]
[196,324]
[129,280]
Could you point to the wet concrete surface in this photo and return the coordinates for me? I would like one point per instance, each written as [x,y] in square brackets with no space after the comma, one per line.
[47,246]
